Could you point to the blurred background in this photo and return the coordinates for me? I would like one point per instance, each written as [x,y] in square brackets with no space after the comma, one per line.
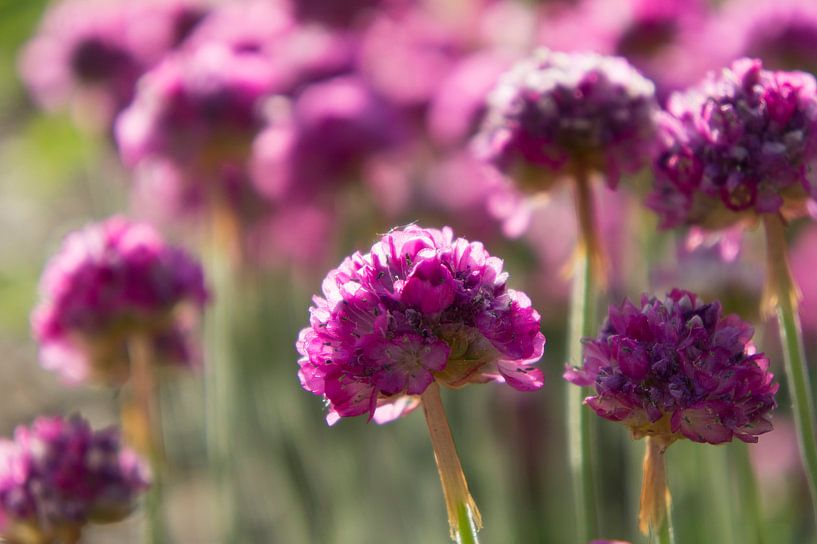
[320,124]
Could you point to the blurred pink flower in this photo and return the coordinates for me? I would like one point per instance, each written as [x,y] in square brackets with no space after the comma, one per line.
[658,37]
[88,54]
[108,282]
[781,33]
[58,475]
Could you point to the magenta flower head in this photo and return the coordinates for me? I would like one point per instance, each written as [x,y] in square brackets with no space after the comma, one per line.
[334,129]
[742,143]
[677,368]
[59,475]
[197,111]
[89,53]
[421,306]
[559,113]
[109,282]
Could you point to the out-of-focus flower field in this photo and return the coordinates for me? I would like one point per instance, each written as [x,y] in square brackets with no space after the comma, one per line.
[248,147]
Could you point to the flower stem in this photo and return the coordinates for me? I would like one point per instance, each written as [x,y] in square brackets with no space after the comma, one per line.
[464,518]
[782,296]
[146,430]
[220,375]
[589,267]
[654,515]
[750,496]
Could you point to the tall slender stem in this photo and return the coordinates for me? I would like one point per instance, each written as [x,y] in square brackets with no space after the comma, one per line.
[782,296]
[220,373]
[464,518]
[752,508]
[654,515]
[147,433]
[589,268]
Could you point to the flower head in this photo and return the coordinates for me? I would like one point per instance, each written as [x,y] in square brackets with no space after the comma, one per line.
[59,475]
[109,281]
[677,368]
[742,143]
[93,51]
[420,306]
[563,112]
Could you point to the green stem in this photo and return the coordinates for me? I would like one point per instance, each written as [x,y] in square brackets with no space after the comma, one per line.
[220,375]
[752,508]
[582,321]
[464,518]
[147,431]
[782,295]
[665,533]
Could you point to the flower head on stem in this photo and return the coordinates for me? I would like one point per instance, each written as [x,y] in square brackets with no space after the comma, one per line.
[421,309]
[109,282]
[672,369]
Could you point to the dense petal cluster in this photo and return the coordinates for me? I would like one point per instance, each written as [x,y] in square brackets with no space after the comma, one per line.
[94,50]
[59,474]
[677,368]
[420,306]
[110,281]
[563,112]
[743,142]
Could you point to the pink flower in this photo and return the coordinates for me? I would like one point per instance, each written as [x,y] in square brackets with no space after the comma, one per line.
[109,281]
[421,306]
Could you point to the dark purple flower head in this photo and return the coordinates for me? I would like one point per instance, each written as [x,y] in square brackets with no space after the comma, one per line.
[742,143]
[677,368]
[91,52]
[109,281]
[562,112]
[421,306]
[60,474]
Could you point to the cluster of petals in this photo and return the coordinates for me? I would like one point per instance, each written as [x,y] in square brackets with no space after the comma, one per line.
[677,368]
[741,143]
[420,306]
[59,474]
[95,50]
[568,112]
[108,282]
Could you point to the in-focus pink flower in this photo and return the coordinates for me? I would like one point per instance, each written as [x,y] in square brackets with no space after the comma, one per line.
[676,368]
[420,306]
[108,282]
[58,475]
